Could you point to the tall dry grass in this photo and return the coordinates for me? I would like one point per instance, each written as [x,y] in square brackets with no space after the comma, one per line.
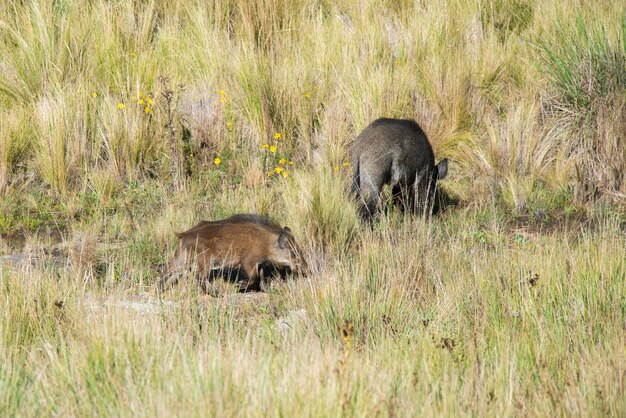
[123,122]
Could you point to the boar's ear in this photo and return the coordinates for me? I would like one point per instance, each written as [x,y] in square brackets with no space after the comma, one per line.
[283,238]
[442,169]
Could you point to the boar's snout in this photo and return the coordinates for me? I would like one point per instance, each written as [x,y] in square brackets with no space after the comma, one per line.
[290,254]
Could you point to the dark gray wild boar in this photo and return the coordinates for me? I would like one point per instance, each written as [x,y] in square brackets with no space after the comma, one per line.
[247,248]
[395,152]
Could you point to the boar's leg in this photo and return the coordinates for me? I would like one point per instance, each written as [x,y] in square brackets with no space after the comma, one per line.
[184,262]
[263,276]
[205,281]
[171,273]
[422,191]
[370,187]
[403,197]
[402,184]
[249,276]
[208,288]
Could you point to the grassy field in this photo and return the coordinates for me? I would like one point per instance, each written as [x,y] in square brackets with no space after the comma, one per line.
[124,121]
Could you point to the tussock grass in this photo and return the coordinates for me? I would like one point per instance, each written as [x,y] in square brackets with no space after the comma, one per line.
[424,319]
[587,65]
[122,123]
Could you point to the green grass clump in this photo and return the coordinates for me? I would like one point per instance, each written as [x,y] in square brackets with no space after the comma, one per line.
[586,65]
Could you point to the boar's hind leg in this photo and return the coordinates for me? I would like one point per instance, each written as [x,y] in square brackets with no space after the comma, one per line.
[167,279]
[369,190]
[401,183]
[169,275]
[206,284]
[174,269]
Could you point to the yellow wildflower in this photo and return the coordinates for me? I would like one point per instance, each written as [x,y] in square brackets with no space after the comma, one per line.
[307,94]
[277,136]
[336,168]
[94,94]
[217,161]
[290,163]
[272,148]
[346,164]
[264,146]
[398,62]
[284,173]
[150,101]
[120,105]
[140,101]
[269,173]
[278,170]
[147,109]
[282,161]
[229,125]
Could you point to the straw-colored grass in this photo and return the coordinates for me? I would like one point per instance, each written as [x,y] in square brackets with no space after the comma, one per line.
[123,122]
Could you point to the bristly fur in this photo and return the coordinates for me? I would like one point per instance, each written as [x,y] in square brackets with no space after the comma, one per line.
[395,152]
[239,218]
[255,219]
[248,248]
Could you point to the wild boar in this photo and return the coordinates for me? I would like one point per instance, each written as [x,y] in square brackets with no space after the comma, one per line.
[395,152]
[245,248]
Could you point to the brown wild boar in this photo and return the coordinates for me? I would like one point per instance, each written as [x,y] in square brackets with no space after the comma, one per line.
[245,248]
